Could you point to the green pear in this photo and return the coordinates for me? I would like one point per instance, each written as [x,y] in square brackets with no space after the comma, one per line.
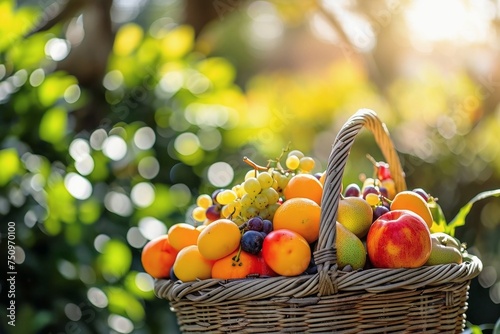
[447,240]
[445,249]
[356,215]
[350,249]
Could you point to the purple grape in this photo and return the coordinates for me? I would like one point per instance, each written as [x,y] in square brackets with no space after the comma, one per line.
[213,212]
[251,242]
[214,195]
[352,190]
[267,226]
[255,224]
[383,191]
[379,211]
[422,193]
[370,190]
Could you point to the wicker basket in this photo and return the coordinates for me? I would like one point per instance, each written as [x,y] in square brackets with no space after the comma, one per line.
[430,299]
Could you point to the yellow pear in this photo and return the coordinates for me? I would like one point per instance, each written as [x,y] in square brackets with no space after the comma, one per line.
[350,249]
[356,215]
[445,249]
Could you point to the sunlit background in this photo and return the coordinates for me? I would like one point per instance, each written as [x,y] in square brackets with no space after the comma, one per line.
[115,115]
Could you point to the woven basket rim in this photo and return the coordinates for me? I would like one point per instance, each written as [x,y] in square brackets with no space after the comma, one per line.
[329,279]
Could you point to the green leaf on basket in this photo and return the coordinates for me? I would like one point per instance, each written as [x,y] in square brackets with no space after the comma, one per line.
[459,219]
[439,223]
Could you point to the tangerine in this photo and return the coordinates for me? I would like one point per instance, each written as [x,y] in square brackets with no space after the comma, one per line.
[238,264]
[219,239]
[301,215]
[305,186]
[410,200]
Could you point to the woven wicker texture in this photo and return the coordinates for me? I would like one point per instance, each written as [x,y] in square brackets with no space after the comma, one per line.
[430,299]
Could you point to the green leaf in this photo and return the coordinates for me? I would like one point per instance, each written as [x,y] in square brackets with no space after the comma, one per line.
[459,219]
[439,223]
[53,125]
[10,165]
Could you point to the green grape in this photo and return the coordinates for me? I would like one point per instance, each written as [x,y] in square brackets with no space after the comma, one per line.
[251,173]
[239,190]
[247,200]
[204,201]
[230,210]
[198,214]
[372,199]
[283,181]
[296,153]
[252,186]
[264,213]
[271,194]
[226,196]
[292,162]
[271,209]
[249,212]
[306,164]
[261,201]
[265,179]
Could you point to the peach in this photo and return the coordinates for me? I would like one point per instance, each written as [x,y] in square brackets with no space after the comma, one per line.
[286,252]
[399,239]
[158,256]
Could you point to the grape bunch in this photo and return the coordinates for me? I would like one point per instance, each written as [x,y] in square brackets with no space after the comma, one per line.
[259,195]
[254,233]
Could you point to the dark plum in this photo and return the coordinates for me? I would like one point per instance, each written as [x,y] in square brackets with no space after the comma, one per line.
[251,242]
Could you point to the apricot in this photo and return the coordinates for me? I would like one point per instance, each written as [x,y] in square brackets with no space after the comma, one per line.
[219,239]
[158,256]
[182,235]
[286,252]
[301,215]
[191,265]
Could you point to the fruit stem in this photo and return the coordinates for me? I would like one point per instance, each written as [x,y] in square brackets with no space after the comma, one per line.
[236,258]
[253,164]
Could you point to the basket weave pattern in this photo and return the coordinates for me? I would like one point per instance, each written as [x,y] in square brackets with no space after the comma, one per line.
[430,299]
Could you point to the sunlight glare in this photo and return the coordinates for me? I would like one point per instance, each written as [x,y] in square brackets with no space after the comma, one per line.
[448,20]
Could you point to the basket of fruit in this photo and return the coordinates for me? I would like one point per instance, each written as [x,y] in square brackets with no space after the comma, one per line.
[285,251]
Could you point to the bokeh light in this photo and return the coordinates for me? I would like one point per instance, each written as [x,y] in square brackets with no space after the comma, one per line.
[78,186]
[220,174]
[114,147]
[151,227]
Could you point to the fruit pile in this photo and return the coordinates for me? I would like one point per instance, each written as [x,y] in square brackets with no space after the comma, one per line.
[268,225]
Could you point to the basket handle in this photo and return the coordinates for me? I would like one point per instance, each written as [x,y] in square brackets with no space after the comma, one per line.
[326,254]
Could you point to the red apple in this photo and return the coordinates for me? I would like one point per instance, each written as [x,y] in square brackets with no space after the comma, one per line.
[399,239]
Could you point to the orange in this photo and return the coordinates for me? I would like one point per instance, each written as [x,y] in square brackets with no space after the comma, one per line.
[300,215]
[304,185]
[182,235]
[191,265]
[236,265]
[219,239]
[158,256]
[410,200]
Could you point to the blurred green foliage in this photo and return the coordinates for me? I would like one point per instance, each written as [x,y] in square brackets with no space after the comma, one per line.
[89,173]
